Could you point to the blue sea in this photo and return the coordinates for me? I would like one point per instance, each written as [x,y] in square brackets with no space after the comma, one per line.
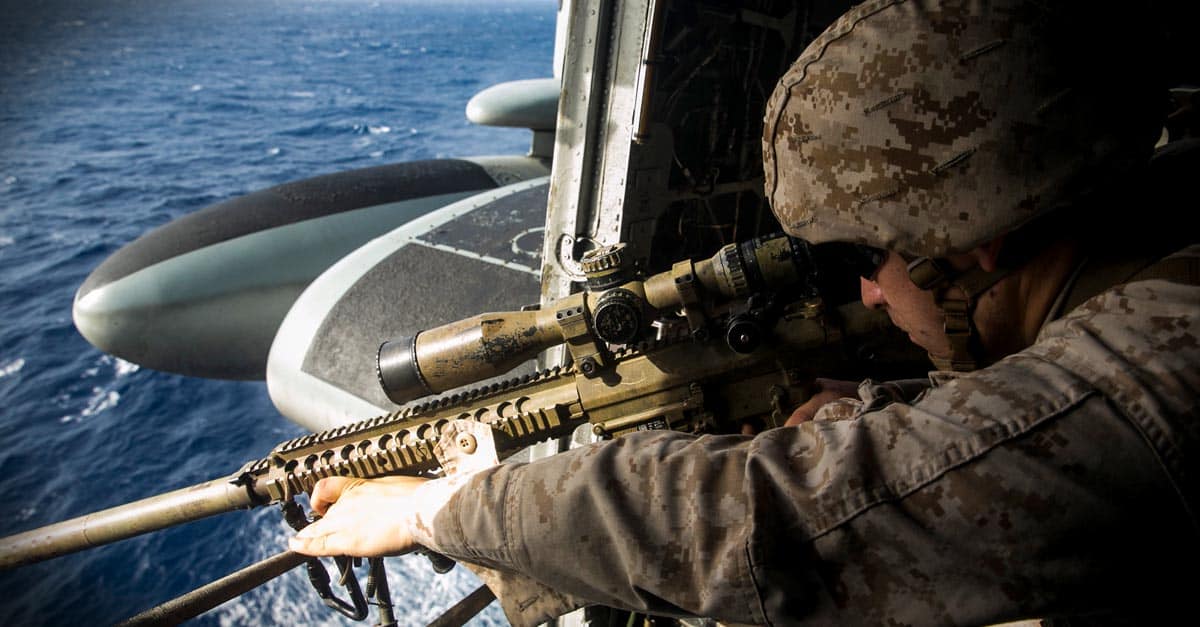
[119,116]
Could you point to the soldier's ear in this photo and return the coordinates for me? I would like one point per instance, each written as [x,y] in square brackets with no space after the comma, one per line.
[987,253]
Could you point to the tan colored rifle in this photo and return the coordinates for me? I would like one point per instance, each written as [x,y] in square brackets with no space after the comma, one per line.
[627,375]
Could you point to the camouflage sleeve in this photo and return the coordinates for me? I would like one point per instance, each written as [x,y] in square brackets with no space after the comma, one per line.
[1024,489]
[873,396]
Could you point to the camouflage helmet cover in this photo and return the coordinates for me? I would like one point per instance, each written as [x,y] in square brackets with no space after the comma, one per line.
[931,127]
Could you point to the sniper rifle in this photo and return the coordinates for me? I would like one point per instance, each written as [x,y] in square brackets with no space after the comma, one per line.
[643,356]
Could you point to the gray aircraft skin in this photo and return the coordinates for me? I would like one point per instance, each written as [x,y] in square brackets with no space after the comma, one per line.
[204,294]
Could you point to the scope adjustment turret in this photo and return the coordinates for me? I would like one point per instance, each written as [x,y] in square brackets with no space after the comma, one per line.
[618,317]
[605,267]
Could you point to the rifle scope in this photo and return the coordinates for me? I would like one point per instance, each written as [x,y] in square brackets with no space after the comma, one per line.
[611,310]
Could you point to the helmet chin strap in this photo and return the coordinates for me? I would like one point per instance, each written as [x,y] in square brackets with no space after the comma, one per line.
[957,307]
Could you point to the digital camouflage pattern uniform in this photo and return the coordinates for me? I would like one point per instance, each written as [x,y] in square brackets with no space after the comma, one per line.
[1060,480]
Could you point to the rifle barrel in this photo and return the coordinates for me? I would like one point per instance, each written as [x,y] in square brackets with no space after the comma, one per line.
[124,521]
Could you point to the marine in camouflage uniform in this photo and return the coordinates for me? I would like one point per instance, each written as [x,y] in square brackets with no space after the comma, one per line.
[1059,480]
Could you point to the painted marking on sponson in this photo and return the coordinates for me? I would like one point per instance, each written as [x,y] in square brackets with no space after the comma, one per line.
[474,255]
[516,248]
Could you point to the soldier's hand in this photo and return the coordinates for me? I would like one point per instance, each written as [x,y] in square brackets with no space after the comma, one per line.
[829,390]
[360,517]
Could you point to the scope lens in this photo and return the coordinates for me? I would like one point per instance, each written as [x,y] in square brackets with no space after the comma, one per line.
[399,375]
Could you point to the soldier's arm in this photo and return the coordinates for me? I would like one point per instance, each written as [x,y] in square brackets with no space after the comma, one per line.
[963,508]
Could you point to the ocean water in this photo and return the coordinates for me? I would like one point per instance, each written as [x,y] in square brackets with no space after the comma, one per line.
[119,116]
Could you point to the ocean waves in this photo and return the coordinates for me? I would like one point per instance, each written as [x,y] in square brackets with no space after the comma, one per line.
[11,367]
[104,395]
[120,116]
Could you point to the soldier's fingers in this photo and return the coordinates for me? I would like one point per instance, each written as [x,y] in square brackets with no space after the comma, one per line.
[808,410]
[803,413]
[327,492]
[315,544]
